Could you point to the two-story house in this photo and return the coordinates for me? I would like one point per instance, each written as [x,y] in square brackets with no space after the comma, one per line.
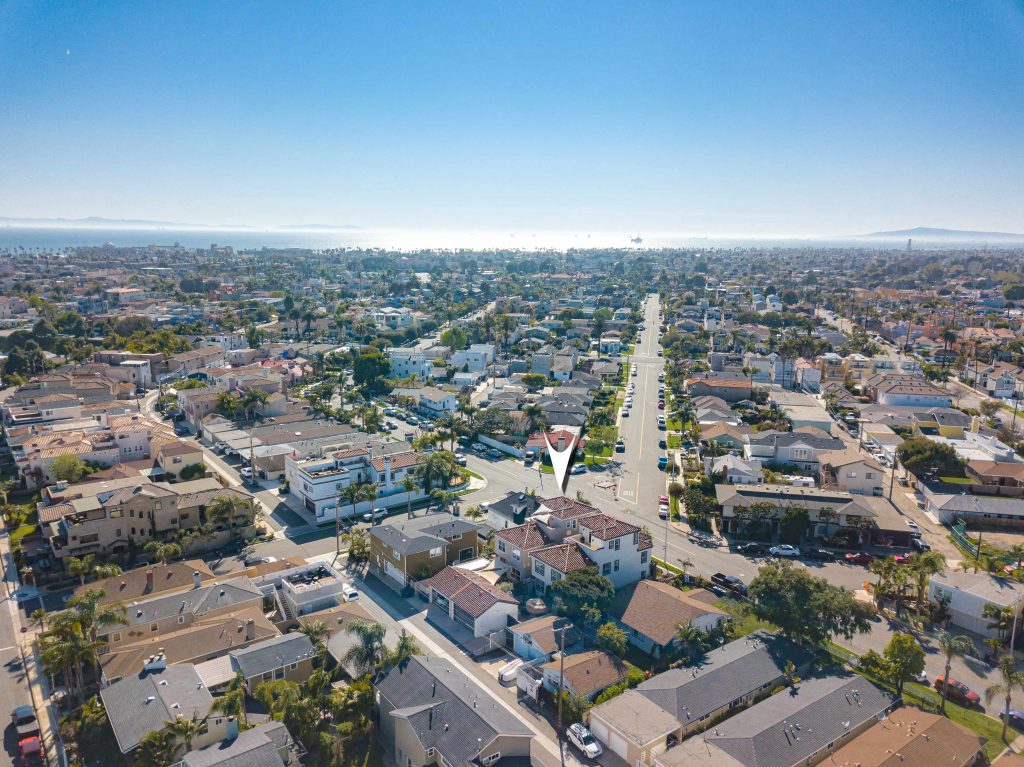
[799,448]
[403,550]
[619,550]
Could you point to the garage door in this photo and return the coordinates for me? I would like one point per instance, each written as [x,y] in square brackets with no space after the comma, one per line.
[394,572]
[600,731]
[617,744]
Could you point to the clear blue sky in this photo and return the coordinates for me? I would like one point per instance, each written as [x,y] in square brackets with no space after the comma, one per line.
[705,117]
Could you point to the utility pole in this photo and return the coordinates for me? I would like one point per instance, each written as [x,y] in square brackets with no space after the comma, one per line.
[561,673]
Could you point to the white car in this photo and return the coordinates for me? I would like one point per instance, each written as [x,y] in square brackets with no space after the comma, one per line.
[584,740]
[625,412]
[374,516]
[663,511]
[350,593]
[245,472]
[507,673]
[785,550]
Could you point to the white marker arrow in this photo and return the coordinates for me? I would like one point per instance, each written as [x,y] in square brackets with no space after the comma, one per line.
[560,459]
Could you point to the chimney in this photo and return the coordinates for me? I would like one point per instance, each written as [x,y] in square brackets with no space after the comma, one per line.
[975,422]
[250,630]
[196,580]
[232,728]
[149,580]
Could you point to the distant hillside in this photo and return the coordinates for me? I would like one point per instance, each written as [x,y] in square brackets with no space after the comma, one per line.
[316,227]
[930,233]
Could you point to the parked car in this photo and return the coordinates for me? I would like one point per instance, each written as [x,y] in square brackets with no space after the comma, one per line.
[495,453]
[729,583]
[784,550]
[625,412]
[584,740]
[258,559]
[181,431]
[663,511]
[957,691]
[859,558]
[413,421]
[620,447]
[920,544]
[663,443]
[662,462]
[822,555]
[901,559]
[1016,719]
[460,459]
[661,405]
[751,549]
[913,526]
[374,516]
[578,468]
[479,447]
[245,472]
[661,424]
[507,673]
[663,498]
[349,592]
[24,720]
[220,447]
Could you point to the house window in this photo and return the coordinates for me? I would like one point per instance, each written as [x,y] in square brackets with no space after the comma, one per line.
[395,554]
[636,538]
[293,666]
[181,619]
[869,475]
[456,536]
[606,568]
[436,551]
[492,758]
[501,546]
[117,533]
[643,557]
[267,676]
[279,673]
[538,567]
[517,554]
[616,565]
[116,637]
[555,576]
[615,545]
[91,538]
[153,627]
[116,513]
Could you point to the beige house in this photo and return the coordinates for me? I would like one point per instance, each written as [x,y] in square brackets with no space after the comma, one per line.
[174,457]
[851,471]
[107,518]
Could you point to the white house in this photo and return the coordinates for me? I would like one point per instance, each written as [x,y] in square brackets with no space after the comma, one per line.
[800,449]
[475,359]
[471,600]
[318,484]
[735,470]
[409,362]
[611,343]
[619,550]
[437,403]
[966,595]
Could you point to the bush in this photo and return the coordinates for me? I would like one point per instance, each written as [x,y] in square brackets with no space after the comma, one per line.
[192,471]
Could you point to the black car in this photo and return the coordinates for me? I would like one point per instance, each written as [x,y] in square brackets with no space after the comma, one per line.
[1016,719]
[729,583]
[920,545]
[752,549]
[822,555]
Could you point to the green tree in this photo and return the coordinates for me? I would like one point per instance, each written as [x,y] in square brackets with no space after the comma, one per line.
[454,338]
[795,522]
[534,381]
[951,647]
[919,455]
[369,368]
[232,701]
[318,633]
[582,587]
[613,639]
[904,660]
[369,652]
[924,566]
[186,728]
[806,607]
[163,552]
[988,407]
[358,546]
[68,468]
[156,749]
[81,567]
[405,648]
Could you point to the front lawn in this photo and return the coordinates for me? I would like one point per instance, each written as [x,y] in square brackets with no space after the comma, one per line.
[743,619]
[674,424]
[956,480]
[21,532]
[674,441]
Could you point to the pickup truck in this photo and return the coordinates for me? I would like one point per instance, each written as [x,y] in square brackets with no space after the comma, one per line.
[729,583]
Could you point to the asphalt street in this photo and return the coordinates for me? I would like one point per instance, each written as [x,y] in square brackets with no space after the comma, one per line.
[13,687]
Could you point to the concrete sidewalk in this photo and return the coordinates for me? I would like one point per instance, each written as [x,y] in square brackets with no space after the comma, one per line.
[46,714]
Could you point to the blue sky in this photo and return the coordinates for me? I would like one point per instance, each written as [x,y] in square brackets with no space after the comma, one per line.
[703,117]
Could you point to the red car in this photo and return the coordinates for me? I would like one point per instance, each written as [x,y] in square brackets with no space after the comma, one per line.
[662,499]
[958,692]
[860,558]
[901,559]
[661,406]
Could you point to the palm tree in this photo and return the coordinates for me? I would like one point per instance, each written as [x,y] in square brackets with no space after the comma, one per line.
[536,418]
[405,649]
[251,399]
[369,653]
[685,563]
[924,566]
[952,647]
[1012,679]
[409,486]
[437,470]
[81,567]
[232,702]
[38,618]
[163,552]
[227,404]
[453,426]
[318,632]
[444,496]
[156,749]
[108,570]
[185,728]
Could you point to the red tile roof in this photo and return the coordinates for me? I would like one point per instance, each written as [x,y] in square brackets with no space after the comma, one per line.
[567,508]
[606,528]
[398,461]
[469,591]
[565,557]
[527,536]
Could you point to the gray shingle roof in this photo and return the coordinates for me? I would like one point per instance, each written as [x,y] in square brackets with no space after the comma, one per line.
[140,704]
[725,674]
[213,596]
[252,748]
[411,536]
[272,653]
[445,709]
[788,727]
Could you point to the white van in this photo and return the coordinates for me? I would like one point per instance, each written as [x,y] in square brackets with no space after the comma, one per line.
[507,674]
